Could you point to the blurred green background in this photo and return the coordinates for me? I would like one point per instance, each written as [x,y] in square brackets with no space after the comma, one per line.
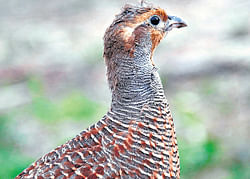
[53,83]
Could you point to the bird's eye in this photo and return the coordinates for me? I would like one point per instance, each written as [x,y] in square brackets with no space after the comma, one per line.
[155,20]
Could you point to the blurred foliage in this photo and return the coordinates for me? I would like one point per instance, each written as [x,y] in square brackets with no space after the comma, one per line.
[240,170]
[199,150]
[11,159]
[194,158]
[74,106]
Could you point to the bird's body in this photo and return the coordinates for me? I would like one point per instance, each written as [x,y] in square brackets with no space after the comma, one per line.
[136,138]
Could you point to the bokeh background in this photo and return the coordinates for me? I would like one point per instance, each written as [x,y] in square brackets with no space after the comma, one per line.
[53,83]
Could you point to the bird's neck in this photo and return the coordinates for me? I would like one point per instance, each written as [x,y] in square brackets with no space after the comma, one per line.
[137,84]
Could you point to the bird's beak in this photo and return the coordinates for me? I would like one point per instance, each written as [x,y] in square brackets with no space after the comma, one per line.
[174,22]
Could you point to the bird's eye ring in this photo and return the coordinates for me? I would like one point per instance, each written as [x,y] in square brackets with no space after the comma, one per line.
[154,20]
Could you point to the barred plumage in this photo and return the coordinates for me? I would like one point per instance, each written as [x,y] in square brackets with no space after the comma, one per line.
[136,138]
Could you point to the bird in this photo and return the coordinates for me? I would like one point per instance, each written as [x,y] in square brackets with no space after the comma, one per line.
[136,138]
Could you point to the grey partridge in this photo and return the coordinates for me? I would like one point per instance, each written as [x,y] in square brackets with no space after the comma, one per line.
[136,138]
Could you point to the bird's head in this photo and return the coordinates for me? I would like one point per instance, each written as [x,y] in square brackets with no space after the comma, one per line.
[137,31]
[135,26]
